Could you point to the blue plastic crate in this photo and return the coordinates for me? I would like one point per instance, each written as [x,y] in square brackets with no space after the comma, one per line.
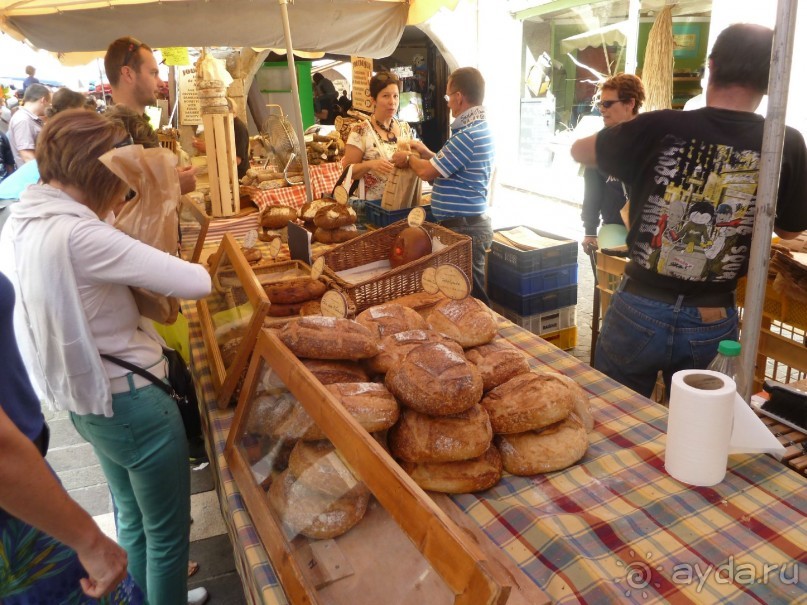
[534,303]
[529,261]
[380,217]
[524,284]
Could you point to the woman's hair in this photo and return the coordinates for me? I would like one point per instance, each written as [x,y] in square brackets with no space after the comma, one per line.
[381,80]
[64,98]
[468,81]
[627,86]
[68,148]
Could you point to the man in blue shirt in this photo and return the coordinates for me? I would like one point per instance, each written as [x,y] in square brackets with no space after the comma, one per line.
[461,169]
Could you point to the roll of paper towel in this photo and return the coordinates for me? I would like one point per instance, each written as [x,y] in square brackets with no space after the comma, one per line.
[707,421]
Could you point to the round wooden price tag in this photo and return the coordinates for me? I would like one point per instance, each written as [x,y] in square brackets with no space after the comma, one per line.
[429,280]
[417,216]
[333,304]
[453,282]
[318,267]
[341,195]
[274,247]
[250,239]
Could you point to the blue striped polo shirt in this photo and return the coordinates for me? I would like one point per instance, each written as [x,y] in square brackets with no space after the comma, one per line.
[464,163]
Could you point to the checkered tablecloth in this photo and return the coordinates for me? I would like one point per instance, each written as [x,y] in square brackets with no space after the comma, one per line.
[614,528]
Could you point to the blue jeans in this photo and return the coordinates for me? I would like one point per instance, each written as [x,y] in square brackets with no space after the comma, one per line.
[144,455]
[481,236]
[641,336]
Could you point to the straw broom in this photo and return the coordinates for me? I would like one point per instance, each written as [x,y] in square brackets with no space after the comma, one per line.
[657,75]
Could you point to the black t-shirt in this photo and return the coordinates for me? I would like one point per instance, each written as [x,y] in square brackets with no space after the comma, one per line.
[693,178]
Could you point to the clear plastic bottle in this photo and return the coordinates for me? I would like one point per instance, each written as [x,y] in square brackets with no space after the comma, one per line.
[728,362]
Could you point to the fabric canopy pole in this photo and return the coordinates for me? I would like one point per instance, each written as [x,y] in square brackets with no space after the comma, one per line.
[767,191]
[295,89]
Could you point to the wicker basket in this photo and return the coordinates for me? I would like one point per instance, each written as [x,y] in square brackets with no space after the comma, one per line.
[406,279]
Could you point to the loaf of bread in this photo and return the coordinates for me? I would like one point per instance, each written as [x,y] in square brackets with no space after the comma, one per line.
[335,236]
[318,466]
[423,438]
[335,216]
[277,217]
[434,379]
[318,337]
[552,449]
[460,477]
[498,361]
[468,321]
[331,371]
[528,402]
[314,514]
[293,291]
[582,405]
[394,348]
[390,318]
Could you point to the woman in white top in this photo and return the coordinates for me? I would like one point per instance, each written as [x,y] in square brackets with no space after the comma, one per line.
[72,272]
[372,142]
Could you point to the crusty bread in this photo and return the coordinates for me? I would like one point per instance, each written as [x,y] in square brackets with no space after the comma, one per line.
[294,291]
[393,348]
[314,514]
[498,361]
[434,379]
[423,438]
[552,449]
[468,321]
[277,217]
[330,371]
[390,318]
[318,337]
[582,405]
[528,402]
[460,477]
[318,466]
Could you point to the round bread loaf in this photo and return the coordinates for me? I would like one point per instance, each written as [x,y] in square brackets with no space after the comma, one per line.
[335,236]
[318,337]
[528,402]
[468,321]
[434,379]
[498,361]
[389,318]
[460,477]
[314,514]
[582,404]
[293,291]
[335,216]
[423,438]
[278,217]
[552,449]
[394,348]
[318,466]
[330,371]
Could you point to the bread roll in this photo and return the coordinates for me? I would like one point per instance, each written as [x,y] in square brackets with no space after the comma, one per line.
[293,291]
[434,379]
[278,217]
[317,465]
[394,348]
[333,371]
[552,449]
[335,216]
[313,514]
[468,321]
[461,477]
[389,318]
[498,361]
[528,402]
[423,438]
[582,404]
[318,337]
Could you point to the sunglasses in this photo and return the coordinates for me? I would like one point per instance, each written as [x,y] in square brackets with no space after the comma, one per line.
[133,47]
[607,104]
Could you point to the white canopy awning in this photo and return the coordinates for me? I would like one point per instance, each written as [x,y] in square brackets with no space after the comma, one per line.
[608,35]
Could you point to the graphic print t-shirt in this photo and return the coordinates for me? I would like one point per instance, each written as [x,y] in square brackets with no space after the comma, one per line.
[694,178]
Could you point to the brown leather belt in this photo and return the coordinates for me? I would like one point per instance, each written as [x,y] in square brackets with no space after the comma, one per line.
[704,299]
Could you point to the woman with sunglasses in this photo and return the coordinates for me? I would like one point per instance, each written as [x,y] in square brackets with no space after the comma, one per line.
[371,143]
[72,271]
[620,98]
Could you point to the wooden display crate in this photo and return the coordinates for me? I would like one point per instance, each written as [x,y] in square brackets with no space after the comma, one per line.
[407,548]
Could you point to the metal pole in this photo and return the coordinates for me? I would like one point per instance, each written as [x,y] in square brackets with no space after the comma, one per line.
[769,168]
[298,114]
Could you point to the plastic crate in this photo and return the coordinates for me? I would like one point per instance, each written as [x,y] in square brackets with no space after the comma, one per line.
[532,283]
[534,303]
[563,339]
[380,217]
[541,323]
[528,261]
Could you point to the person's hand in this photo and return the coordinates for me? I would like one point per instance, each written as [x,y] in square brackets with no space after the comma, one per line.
[590,244]
[187,179]
[382,166]
[106,563]
[199,145]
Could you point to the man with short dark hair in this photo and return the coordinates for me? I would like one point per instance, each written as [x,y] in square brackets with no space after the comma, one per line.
[461,170]
[693,178]
[26,123]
